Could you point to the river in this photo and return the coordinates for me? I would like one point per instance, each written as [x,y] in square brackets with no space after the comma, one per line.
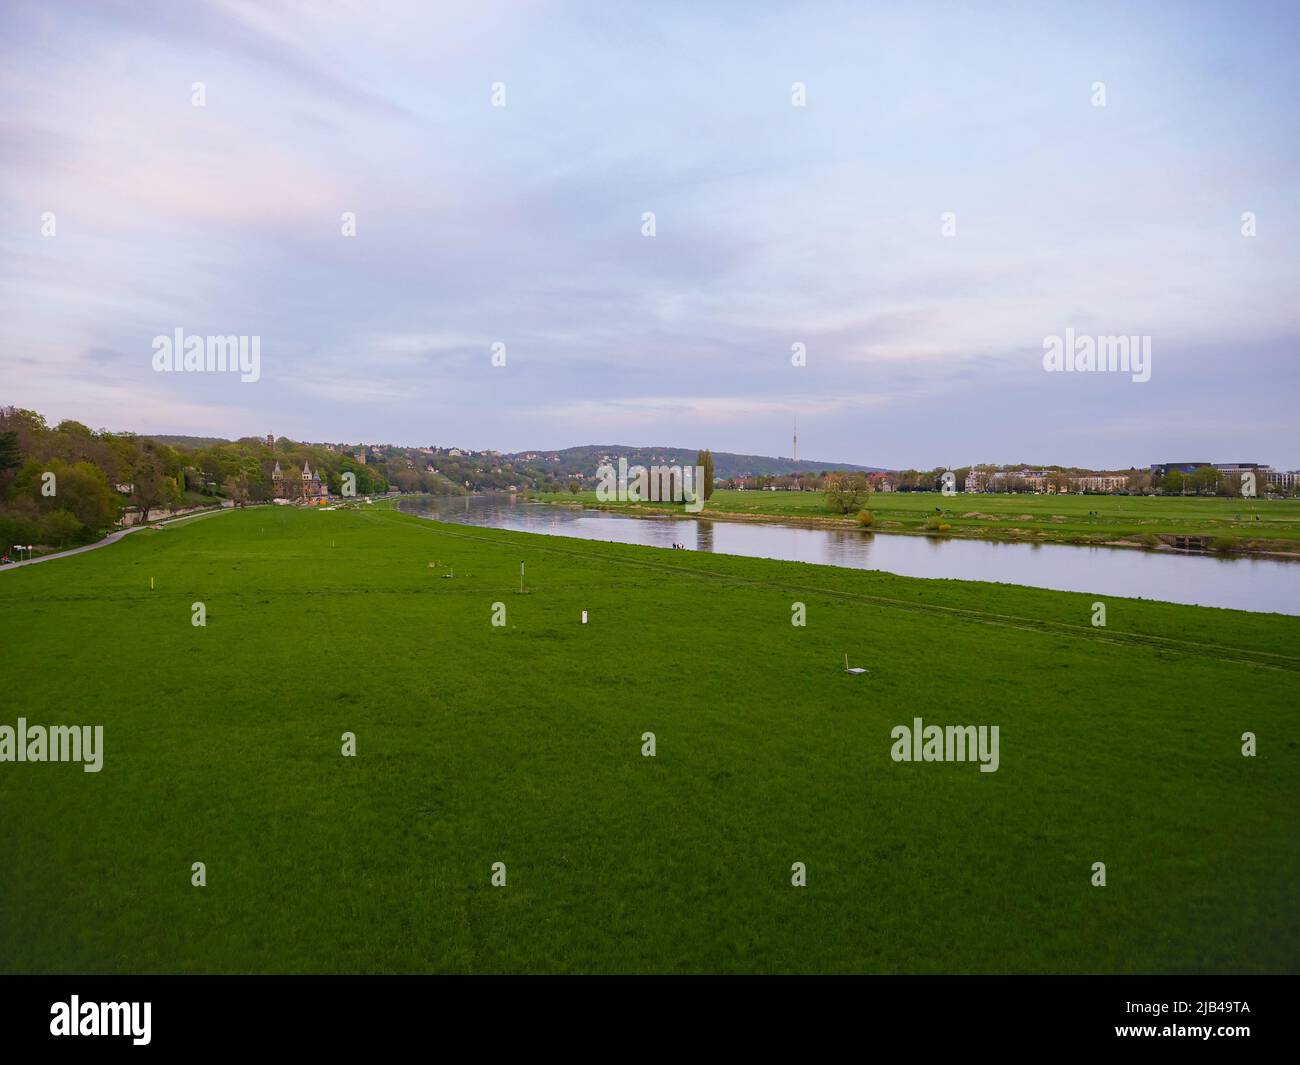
[1256,584]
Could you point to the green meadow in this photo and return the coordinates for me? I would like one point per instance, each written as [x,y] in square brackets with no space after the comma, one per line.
[522,744]
[1236,524]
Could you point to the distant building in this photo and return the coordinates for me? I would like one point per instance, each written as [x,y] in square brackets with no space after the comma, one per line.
[1239,467]
[1159,469]
[312,485]
[1106,482]
[309,487]
[1033,480]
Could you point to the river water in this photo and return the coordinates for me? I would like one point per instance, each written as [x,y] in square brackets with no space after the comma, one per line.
[1253,584]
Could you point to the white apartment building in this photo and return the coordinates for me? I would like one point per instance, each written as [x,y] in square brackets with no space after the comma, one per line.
[1100,483]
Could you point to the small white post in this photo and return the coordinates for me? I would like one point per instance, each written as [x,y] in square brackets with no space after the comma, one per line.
[584,617]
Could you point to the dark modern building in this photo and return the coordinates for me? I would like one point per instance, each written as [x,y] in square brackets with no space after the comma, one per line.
[1159,469]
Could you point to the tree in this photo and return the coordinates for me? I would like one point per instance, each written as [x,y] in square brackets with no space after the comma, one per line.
[846,493]
[10,455]
[1172,483]
[1206,479]
[407,480]
[82,489]
[704,459]
[61,527]
[20,523]
[150,487]
[11,458]
[28,419]
[85,491]
[237,489]
[74,428]
[210,466]
[122,454]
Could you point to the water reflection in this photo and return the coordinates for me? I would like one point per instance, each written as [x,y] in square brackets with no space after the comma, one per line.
[1243,584]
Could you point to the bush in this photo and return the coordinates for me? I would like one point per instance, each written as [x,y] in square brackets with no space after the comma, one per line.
[80,489]
[20,523]
[845,494]
[62,528]
[866,519]
[935,525]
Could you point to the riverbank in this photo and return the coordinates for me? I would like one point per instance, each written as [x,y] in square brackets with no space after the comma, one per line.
[1161,524]
[1235,583]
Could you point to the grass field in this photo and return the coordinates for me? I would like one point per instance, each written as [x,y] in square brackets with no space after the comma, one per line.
[522,744]
[1238,524]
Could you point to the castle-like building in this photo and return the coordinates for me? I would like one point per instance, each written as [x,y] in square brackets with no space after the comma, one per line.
[310,488]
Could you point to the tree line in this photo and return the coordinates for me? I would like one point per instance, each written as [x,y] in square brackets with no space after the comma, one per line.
[67,484]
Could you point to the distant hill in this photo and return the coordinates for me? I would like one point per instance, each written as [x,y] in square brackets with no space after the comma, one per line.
[582,461]
[726,464]
[187,441]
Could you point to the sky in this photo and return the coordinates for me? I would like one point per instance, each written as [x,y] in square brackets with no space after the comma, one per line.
[959,184]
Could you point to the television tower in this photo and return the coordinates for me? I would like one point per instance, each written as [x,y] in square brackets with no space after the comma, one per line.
[797,483]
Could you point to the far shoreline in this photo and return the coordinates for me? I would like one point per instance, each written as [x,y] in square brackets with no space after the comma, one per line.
[1005,536]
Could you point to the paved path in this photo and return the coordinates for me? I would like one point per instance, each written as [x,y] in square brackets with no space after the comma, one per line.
[111,538]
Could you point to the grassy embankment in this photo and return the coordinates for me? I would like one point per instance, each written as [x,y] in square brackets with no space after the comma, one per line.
[1262,526]
[522,744]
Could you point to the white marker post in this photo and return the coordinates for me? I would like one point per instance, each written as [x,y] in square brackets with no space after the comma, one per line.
[584,617]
